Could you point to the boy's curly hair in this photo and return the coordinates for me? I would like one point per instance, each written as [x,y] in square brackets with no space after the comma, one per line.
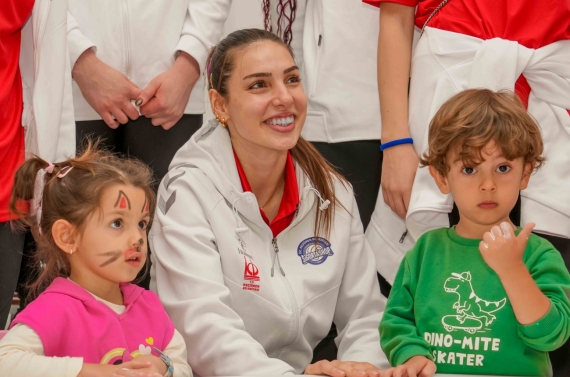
[473,118]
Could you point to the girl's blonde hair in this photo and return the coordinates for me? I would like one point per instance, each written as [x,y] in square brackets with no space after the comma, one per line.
[72,197]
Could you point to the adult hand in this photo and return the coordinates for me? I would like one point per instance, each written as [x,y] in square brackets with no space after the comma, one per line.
[107,90]
[338,368]
[417,366]
[399,166]
[502,250]
[166,96]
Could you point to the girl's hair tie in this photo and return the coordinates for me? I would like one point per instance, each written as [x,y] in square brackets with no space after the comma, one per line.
[49,168]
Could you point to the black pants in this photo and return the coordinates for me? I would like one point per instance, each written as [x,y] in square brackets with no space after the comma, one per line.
[360,162]
[140,139]
[560,358]
[11,247]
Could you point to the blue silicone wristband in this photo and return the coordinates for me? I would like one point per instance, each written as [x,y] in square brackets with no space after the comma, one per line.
[393,143]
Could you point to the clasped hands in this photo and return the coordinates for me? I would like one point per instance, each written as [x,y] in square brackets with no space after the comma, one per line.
[110,92]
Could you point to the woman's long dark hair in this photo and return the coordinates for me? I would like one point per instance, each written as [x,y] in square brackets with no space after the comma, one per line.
[320,172]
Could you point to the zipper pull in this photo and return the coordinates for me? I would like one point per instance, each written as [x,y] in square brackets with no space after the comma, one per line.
[320,40]
[276,250]
[403,236]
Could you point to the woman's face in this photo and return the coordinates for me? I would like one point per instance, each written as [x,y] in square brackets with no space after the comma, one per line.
[266,103]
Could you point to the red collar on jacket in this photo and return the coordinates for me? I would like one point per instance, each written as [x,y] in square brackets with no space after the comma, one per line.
[289,201]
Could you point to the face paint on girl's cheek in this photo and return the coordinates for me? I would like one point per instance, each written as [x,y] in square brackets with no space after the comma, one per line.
[123,201]
[141,243]
[113,256]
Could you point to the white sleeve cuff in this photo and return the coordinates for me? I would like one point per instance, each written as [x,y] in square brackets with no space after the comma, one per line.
[76,41]
[193,47]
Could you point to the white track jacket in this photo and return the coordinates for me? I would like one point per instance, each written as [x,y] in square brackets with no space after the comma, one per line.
[46,80]
[245,302]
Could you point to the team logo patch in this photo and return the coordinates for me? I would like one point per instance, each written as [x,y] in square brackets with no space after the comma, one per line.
[314,250]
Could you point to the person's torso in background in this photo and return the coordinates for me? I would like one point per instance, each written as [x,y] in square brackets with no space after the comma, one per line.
[137,38]
[533,24]
[335,44]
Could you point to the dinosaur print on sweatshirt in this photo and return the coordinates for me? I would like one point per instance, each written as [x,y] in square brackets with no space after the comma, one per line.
[472,311]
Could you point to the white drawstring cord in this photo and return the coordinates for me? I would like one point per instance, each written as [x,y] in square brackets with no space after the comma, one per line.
[239,229]
[324,203]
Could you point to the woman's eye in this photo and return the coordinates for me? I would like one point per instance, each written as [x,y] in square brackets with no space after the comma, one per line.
[293,79]
[257,85]
[142,224]
[503,168]
[469,171]
[117,224]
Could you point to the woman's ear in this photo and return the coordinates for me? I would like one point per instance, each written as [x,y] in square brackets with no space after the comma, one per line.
[219,105]
[63,234]
[440,180]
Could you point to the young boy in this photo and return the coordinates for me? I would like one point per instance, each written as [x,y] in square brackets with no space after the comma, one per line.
[483,297]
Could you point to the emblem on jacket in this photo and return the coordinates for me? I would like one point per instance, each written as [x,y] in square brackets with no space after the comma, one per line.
[314,250]
[472,311]
[251,275]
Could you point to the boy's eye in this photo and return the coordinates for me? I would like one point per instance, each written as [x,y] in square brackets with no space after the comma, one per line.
[469,171]
[142,224]
[503,169]
[117,224]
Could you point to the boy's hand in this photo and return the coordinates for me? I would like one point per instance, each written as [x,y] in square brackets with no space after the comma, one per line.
[501,249]
[417,366]
[338,368]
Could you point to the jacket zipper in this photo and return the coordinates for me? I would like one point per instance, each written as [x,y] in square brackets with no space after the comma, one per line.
[127,38]
[292,299]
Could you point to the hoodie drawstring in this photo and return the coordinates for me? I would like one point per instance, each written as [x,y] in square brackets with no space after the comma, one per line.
[324,203]
[241,227]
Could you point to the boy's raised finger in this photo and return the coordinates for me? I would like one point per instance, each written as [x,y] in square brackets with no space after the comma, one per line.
[525,232]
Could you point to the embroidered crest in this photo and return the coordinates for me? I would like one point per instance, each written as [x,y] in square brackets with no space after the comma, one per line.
[314,250]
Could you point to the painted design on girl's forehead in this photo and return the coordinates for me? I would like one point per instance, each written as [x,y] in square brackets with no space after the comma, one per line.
[113,256]
[145,207]
[122,201]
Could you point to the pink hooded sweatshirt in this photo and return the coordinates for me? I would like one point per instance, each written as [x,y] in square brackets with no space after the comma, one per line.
[71,322]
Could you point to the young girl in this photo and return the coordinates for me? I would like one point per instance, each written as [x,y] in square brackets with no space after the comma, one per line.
[90,216]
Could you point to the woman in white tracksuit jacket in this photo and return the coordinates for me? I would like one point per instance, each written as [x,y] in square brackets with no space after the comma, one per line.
[248,300]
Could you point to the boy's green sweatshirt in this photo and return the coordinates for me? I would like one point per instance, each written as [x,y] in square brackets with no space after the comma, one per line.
[447,304]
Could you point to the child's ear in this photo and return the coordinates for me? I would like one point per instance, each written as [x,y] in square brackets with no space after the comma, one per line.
[440,180]
[527,171]
[63,234]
